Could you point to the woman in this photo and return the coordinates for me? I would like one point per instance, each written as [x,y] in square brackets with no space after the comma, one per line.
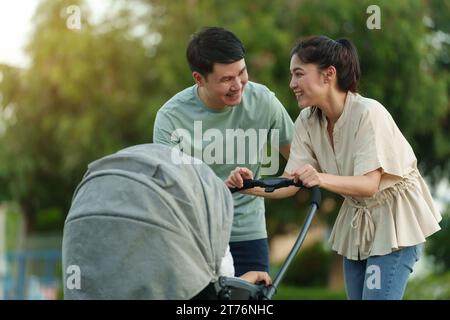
[350,145]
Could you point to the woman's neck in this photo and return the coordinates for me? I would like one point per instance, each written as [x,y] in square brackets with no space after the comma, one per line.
[334,106]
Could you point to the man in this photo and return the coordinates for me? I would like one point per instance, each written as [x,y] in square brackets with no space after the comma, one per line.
[219,122]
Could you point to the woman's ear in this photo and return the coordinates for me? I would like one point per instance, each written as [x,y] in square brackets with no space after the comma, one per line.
[329,74]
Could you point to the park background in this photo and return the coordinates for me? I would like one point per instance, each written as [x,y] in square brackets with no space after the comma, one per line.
[71,93]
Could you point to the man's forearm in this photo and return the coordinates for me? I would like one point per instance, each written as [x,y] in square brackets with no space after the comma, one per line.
[276,194]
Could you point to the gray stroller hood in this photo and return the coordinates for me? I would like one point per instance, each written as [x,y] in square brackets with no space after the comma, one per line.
[142,226]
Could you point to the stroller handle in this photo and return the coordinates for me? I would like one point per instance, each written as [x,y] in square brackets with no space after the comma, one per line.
[271,184]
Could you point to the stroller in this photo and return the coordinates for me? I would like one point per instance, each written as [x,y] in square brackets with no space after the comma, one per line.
[144,224]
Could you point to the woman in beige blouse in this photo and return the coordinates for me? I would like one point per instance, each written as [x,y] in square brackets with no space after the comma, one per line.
[350,145]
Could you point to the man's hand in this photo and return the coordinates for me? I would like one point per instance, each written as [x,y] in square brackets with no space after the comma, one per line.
[257,277]
[237,176]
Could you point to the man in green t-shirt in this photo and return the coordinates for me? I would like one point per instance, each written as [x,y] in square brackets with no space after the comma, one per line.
[225,126]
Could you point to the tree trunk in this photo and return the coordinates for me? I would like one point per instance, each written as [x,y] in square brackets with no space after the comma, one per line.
[29,218]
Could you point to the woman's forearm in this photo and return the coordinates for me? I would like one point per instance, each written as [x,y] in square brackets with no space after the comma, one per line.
[354,186]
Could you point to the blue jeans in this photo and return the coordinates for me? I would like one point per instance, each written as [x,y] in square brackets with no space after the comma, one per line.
[380,277]
[252,255]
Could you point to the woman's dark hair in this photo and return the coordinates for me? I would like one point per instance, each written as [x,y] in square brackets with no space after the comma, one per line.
[213,45]
[325,52]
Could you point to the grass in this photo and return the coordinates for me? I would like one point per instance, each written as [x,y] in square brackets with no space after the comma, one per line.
[297,293]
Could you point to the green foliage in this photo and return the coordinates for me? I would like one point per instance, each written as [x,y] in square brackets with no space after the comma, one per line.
[85,95]
[438,245]
[398,62]
[49,219]
[90,92]
[308,293]
[13,227]
[431,287]
[310,267]
[400,66]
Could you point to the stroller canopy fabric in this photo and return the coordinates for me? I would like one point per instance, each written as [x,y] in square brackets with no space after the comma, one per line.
[142,226]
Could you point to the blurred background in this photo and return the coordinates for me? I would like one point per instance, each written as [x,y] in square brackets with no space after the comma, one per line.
[73,90]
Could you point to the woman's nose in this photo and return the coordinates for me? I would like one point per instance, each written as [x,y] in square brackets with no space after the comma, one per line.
[292,83]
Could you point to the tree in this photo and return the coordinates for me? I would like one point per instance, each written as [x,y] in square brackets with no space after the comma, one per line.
[399,64]
[85,95]
[92,91]
[437,246]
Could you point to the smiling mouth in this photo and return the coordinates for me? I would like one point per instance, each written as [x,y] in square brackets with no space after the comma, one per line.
[299,94]
[233,95]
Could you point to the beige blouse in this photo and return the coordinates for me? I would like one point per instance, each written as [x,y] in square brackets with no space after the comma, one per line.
[366,138]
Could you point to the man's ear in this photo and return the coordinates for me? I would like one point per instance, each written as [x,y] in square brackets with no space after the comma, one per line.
[198,78]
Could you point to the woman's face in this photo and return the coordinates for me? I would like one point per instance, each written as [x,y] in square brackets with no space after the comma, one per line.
[307,83]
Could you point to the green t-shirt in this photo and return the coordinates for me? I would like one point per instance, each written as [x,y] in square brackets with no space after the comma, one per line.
[225,139]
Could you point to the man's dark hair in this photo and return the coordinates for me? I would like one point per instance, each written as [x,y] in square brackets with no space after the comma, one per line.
[213,45]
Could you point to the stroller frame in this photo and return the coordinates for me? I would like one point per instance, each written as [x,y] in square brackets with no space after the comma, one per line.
[229,288]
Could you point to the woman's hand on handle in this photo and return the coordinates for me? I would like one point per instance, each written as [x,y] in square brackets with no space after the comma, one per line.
[308,175]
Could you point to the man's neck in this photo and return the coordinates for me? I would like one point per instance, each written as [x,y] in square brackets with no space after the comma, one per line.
[204,98]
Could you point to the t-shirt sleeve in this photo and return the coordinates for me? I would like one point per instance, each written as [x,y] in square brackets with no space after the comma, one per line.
[380,144]
[162,130]
[281,121]
[301,149]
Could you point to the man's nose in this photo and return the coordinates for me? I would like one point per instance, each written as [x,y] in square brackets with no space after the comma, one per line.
[237,84]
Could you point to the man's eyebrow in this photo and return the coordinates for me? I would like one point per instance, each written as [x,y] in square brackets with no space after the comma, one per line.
[243,69]
[240,72]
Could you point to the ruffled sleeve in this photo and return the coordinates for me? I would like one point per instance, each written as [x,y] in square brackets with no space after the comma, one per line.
[380,144]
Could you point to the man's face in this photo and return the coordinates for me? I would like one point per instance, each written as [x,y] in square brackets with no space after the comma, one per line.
[224,85]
